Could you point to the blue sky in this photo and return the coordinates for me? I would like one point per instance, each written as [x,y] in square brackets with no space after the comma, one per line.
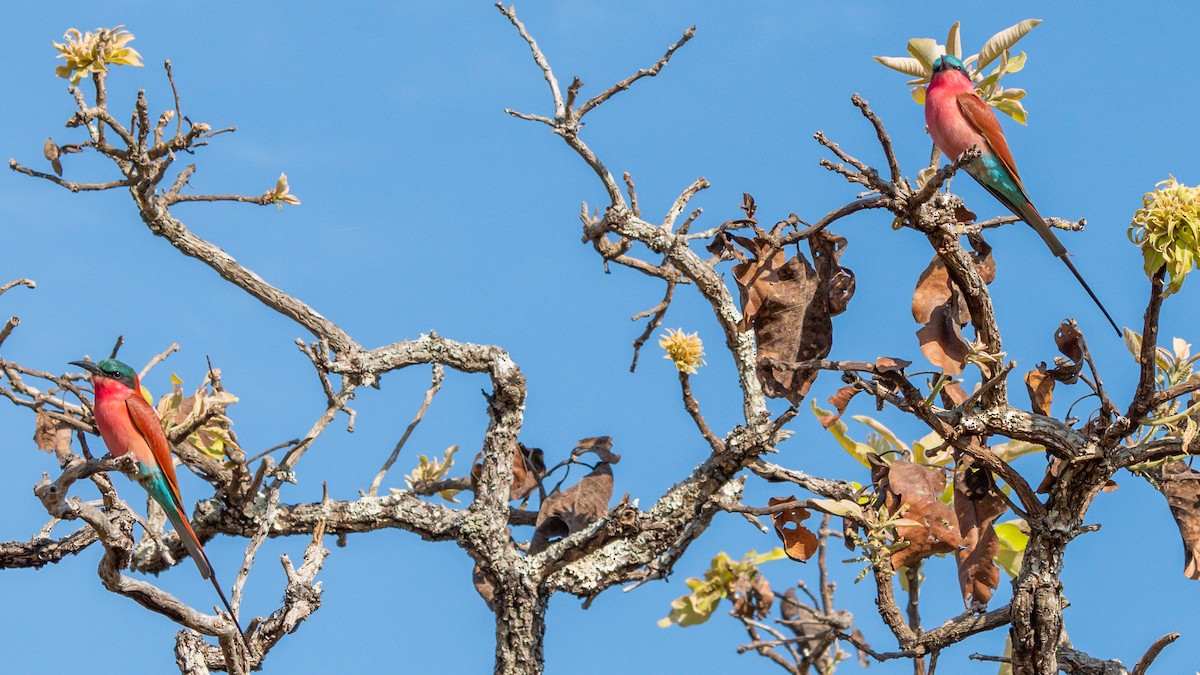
[426,207]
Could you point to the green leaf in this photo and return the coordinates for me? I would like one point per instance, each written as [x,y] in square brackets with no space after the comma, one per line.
[1005,39]
[1015,64]
[906,65]
[776,553]
[953,44]
[925,50]
[1012,108]
[1012,546]
[928,441]
[883,431]
[1014,94]
[857,450]
[918,94]
[1013,449]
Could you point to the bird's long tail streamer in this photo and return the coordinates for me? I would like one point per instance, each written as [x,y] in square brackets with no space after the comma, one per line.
[1087,288]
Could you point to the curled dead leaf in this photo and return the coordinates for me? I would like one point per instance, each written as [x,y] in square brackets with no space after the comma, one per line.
[917,489]
[752,595]
[1180,484]
[788,303]
[938,305]
[977,505]
[51,435]
[529,467]
[601,445]
[840,399]
[484,587]
[798,541]
[887,364]
[1070,341]
[564,513]
[51,151]
[1041,389]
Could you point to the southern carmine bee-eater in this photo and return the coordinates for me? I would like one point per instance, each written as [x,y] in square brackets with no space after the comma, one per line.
[129,425]
[958,120]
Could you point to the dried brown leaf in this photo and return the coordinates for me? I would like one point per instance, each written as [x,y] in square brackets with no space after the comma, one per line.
[51,435]
[484,587]
[601,445]
[798,541]
[964,215]
[51,152]
[1070,341]
[529,467]
[840,400]
[918,488]
[1041,389]
[752,596]
[1180,484]
[977,505]
[938,305]
[788,303]
[564,513]
[1054,467]
[955,393]
[887,364]
[942,342]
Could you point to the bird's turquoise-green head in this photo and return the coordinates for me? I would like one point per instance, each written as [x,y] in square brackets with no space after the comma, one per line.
[948,62]
[110,369]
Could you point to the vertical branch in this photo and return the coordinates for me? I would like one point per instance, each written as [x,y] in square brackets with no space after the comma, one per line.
[1145,386]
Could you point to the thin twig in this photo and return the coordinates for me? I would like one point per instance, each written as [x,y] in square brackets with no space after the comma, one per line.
[434,386]
[158,358]
[538,58]
[656,314]
[628,82]
[693,409]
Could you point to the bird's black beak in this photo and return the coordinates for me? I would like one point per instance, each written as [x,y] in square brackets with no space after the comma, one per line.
[88,366]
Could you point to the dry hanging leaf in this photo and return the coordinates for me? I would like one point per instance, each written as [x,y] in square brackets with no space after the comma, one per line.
[51,435]
[529,467]
[564,513]
[1041,389]
[601,445]
[953,395]
[788,303]
[1070,341]
[798,542]
[484,587]
[977,505]
[918,487]
[887,364]
[51,152]
[840,399]
[1180,484]
[752,596]
[938,305]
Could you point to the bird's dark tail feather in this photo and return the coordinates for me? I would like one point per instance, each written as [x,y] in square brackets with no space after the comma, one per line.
[192,543]
[1030,215]
[1087,288]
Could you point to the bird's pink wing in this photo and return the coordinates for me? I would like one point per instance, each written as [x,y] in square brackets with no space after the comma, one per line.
[146,421]
[980,116]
